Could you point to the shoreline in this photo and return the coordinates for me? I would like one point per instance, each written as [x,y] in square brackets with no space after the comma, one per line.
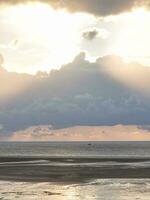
[18,158]
[71,169]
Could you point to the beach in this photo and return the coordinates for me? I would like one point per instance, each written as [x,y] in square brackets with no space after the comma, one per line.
[100,171]
[98,189]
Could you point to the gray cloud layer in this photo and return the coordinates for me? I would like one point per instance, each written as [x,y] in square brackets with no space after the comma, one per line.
[106,92]
[96,7]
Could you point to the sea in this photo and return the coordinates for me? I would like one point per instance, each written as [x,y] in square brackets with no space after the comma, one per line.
[91,170]
[75,149]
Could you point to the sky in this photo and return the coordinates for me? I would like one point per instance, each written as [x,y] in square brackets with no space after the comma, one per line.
[73,63]
[43,35]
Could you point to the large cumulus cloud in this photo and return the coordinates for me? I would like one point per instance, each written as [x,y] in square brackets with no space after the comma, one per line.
[96,7]
[106,92]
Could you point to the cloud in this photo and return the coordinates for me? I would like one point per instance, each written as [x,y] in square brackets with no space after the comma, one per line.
[95,7]
[85,133]
[105,92]
[94,33]
[1,127]
[90,35]
[101,8]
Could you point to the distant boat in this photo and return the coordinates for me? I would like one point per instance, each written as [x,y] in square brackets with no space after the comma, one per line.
[89,144]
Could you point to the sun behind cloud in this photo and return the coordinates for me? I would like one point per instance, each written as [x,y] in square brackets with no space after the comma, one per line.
[46,37]
[38,37]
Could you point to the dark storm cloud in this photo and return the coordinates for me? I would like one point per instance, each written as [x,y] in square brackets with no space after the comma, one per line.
[90,35]
[95,7]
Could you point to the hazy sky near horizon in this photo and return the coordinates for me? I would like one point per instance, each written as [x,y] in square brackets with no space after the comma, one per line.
[42,35]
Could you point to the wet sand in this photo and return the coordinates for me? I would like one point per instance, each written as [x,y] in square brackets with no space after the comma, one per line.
[71,169]
[98,189]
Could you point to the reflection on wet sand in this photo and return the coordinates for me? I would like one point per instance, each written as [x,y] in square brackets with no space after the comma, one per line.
[99,189]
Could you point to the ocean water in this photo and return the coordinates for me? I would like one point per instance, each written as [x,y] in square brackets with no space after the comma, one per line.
[72,170]
[75,149]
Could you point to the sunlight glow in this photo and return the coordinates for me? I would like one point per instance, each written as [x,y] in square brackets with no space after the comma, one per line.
[56,33]
[132,75]
[132,40]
